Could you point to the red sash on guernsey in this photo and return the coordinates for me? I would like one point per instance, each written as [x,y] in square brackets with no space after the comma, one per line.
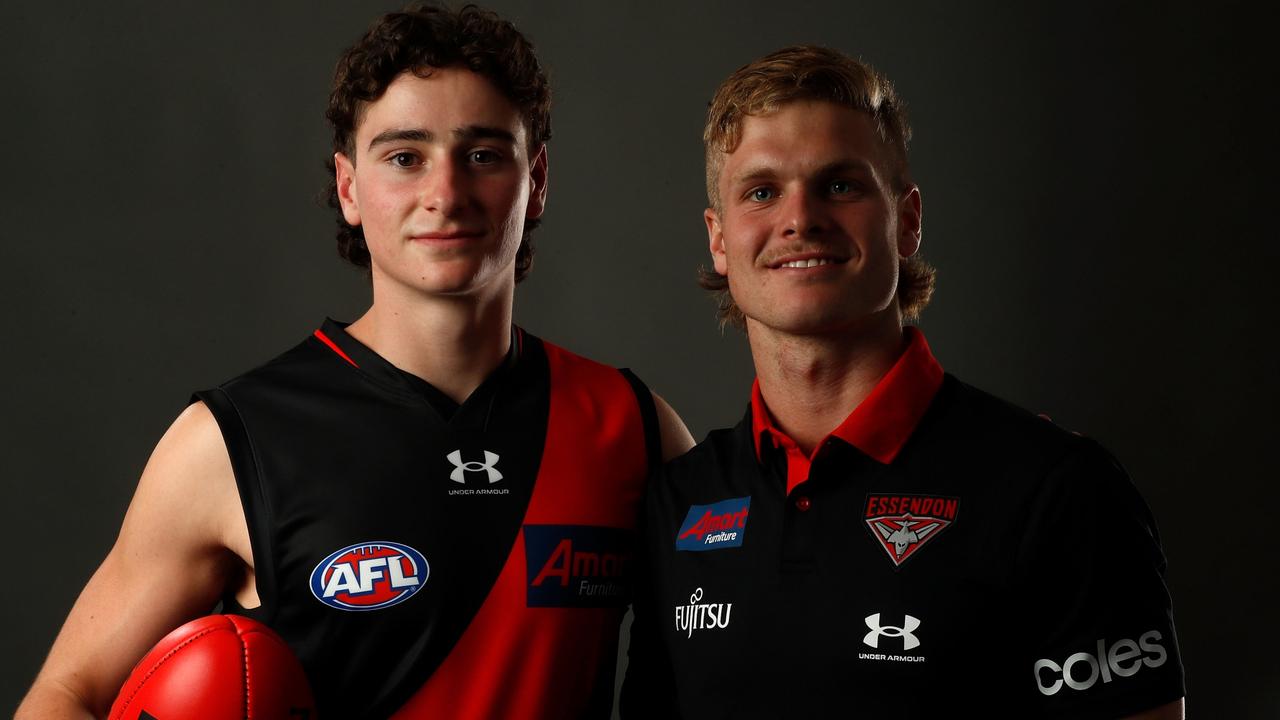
[520,662]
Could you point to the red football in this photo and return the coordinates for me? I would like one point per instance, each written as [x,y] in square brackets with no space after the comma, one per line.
[220,667]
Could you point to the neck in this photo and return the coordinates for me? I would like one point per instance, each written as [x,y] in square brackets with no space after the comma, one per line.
[811,383]
[452,342]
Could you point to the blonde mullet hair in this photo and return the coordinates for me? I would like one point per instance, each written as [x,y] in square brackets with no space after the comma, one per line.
[809,73]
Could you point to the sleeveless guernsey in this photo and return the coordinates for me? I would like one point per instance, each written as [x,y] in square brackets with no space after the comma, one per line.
[432,560]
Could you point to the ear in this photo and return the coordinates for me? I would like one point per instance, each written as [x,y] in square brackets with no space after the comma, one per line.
[715,241]
[345,175]
[538,184]
[909,222]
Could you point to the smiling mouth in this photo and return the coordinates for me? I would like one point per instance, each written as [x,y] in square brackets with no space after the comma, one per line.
[801,261]
[811,262]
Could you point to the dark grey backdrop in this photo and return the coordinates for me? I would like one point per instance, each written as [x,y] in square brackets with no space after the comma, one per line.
[1095,199]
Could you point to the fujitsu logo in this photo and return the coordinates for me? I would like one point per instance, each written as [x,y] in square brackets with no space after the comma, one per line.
[698,615]
[1123,659]
[490,466]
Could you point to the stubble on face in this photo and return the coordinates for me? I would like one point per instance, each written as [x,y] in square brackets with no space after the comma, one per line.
[808,186]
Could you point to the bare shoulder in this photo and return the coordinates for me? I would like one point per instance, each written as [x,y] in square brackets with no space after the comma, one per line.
[190,462]
[192,446]
[676,439]
[187,492]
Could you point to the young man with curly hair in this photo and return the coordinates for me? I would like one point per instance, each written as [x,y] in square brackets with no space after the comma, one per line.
[875,538]
[430,505]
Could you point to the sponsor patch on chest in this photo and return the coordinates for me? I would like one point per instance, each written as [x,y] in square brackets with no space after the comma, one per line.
[576,565]
[892,643]
[699,615]
[903,524]
[476,477]
[369,576]
[715,526]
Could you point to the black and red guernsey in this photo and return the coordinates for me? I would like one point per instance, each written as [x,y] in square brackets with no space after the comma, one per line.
[941,554]
[426,559]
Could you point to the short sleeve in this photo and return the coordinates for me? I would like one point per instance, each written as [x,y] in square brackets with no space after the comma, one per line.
[1097,619]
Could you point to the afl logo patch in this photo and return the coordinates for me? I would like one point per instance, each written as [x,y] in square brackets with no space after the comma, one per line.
[369,576]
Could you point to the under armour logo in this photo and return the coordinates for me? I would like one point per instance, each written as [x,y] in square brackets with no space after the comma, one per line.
[909,640]
[460,468]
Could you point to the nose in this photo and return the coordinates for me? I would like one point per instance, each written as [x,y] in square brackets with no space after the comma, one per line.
[444,187]
[802,215]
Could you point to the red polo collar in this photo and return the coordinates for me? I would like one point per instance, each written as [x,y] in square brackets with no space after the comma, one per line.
[880,425]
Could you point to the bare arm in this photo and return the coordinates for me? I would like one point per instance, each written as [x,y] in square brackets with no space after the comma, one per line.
[676,439]
[1173,711]
[169,564]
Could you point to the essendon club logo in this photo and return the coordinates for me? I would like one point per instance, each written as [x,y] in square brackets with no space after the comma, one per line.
[902,524]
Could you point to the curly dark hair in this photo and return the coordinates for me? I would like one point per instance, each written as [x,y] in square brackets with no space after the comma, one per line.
[416,39]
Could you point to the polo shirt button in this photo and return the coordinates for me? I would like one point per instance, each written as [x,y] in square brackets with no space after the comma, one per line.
[803,504]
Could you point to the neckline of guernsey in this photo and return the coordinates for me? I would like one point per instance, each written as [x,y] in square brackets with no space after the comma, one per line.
[333,334]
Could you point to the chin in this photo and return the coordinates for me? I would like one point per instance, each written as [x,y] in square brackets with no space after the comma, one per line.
[458,286]
[800,323]
[463,283]
[825,317]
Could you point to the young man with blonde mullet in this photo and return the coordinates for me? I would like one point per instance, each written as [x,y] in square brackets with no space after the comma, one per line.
[431,506]
[875,538]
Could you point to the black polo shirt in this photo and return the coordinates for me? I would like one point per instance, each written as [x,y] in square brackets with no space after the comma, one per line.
[941,553]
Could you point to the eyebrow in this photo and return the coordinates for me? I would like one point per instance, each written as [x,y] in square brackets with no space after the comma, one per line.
[752,173]
[468,132]
[401,135]
[483,132]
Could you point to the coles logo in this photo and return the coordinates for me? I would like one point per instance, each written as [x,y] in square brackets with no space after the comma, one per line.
[1083,670]
[369,576]
[715,526]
